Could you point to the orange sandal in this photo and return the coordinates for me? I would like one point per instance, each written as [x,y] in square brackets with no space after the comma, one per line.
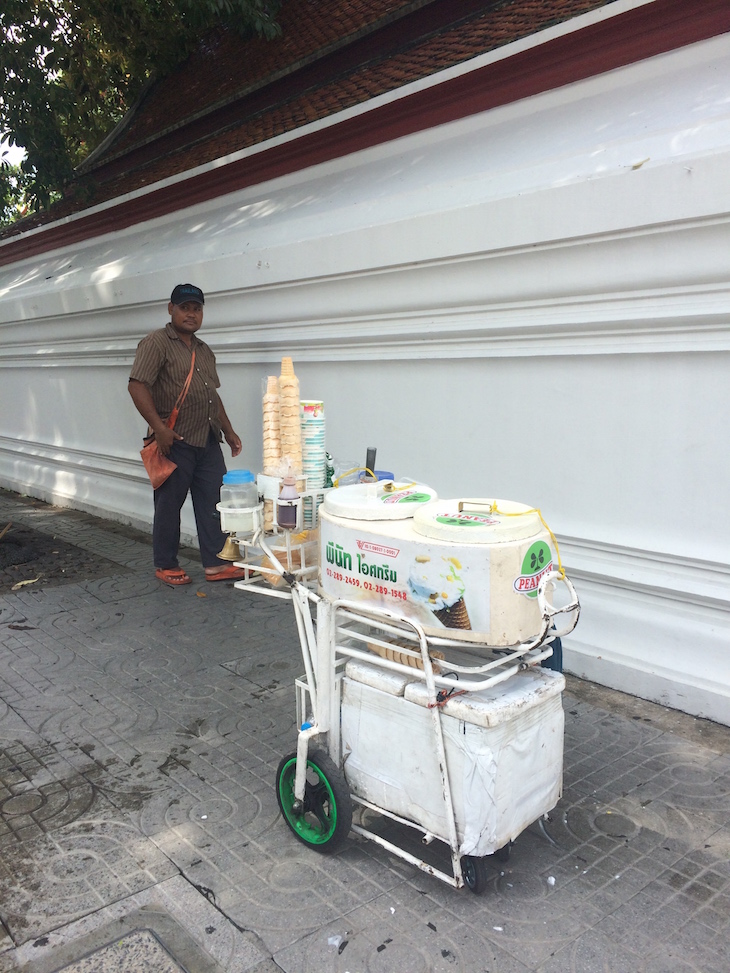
[230,573]
[172,576]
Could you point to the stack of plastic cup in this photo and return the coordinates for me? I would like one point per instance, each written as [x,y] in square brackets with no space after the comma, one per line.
[314,456]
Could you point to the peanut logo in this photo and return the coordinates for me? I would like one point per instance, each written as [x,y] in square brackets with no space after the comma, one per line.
[465,520]
[538,562]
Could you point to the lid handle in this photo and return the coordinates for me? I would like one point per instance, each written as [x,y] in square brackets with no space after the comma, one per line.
[487,505]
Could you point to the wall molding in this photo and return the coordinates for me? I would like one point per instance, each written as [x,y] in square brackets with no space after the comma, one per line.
[469,306]
[69,460]
[644,612]
[630,325]
[691,581]
[657,574]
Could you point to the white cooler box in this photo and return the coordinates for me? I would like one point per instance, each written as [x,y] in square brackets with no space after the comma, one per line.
[504,752]
[467,569]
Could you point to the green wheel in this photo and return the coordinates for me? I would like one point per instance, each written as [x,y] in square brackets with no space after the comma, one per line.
[324,818]
[475,874]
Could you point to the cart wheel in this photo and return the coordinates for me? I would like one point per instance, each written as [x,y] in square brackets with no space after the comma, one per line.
[502,854]
[324,820]
[475,874]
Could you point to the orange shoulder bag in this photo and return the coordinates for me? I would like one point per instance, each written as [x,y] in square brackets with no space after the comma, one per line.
[159,466]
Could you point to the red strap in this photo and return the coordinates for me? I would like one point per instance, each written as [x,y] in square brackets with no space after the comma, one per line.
[443,698]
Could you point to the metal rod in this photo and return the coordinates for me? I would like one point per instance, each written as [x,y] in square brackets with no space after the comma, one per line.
[307,641]
[300,771]
[325,664]
[391,814]
[443,682]
[493,664]
[436,715]
[407,856]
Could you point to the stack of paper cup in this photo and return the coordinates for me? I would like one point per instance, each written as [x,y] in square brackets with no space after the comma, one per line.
[314,456]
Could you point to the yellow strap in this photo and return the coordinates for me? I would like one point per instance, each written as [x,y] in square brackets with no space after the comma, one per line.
[355,469]
[493,508]
[533,510]
[364,469]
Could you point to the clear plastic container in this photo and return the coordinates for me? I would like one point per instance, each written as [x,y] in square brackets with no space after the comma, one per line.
[239,501]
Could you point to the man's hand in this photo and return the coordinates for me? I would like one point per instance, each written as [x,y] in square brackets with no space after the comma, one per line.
[164,438]
[142,398]
[234,442]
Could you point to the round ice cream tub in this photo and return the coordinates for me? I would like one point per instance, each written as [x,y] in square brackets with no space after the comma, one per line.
[464,569]
[379,500]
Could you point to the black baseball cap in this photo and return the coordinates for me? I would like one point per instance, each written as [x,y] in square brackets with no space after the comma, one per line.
[187,292]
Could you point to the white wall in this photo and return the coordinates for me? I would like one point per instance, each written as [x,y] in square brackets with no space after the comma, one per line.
[533,304]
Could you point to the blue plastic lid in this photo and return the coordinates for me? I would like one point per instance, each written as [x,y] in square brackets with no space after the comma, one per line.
[239,476]
[379,475]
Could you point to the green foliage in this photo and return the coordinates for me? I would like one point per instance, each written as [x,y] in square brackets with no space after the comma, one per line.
[70,69]
[14,189]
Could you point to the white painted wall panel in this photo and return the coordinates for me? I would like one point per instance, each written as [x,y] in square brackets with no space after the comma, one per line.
[533,303]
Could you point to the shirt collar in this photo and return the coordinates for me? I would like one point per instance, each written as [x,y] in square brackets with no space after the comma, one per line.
[172,333]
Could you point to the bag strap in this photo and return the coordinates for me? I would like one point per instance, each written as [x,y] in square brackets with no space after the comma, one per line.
[172,418]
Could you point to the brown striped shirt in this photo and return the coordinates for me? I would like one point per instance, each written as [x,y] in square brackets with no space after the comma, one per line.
[162,364]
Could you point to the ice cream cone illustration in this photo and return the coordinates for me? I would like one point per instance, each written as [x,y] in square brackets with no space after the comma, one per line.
[454,616]
[435,583]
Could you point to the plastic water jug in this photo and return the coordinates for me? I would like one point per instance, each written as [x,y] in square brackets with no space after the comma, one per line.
[239,498]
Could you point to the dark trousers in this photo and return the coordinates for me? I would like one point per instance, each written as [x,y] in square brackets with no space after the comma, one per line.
[199,472]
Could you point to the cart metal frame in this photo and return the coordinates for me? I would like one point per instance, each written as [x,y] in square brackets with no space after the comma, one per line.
[340,630]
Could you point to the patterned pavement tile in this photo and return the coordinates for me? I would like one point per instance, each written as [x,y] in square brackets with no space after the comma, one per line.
[181,918]
[385,935]
[74,871]
[287,901]
[140,731]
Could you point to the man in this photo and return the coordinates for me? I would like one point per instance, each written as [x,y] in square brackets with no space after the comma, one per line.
[161,367]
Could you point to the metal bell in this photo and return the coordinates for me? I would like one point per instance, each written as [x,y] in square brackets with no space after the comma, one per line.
[230,550]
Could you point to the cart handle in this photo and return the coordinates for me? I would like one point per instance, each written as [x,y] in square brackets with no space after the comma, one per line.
[549,612]
[258,541]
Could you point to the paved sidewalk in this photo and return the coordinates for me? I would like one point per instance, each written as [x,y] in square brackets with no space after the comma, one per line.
[140,730]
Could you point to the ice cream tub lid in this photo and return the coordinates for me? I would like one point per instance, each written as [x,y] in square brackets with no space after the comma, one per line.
[477,521]
[382,500]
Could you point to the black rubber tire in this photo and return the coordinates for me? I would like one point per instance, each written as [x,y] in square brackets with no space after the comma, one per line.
[476,874]
[326,818]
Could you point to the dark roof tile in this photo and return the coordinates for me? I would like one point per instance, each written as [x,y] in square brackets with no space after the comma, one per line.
[332,55]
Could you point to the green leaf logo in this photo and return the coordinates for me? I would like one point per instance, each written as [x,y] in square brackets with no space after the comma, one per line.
[538,561]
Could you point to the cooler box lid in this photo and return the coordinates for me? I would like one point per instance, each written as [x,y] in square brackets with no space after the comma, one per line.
[499,704]
[384,500]
[386,680]
[477,521]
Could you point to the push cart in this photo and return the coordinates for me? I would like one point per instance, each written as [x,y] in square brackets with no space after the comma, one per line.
[461,741]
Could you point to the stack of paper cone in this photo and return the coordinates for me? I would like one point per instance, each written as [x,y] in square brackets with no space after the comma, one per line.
[394,653]
[272,434]
[289,426]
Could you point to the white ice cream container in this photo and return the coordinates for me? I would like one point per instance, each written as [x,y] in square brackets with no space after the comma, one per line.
[466,569]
